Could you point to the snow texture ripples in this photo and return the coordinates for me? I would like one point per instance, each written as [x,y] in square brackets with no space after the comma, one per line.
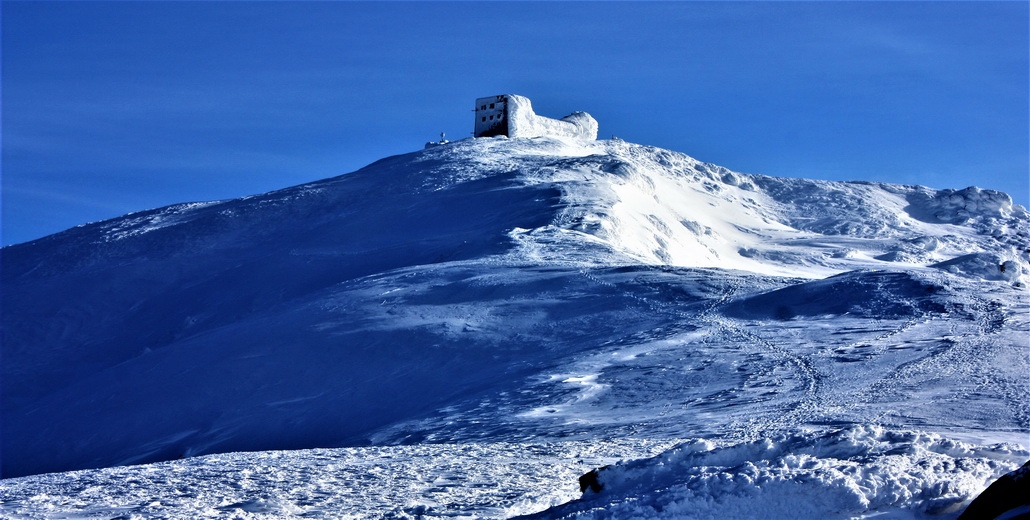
[473,326]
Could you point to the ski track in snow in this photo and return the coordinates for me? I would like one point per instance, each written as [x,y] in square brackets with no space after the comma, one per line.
[497,317]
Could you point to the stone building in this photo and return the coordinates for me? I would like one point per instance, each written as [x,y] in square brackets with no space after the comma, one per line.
[512,116]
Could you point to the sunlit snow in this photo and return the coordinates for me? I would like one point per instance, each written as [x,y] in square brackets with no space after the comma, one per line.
[463,331]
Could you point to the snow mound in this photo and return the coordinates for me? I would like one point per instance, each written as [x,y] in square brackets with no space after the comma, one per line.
[961,206]
[882,294]
[986,266]
[852,472]
[835,209]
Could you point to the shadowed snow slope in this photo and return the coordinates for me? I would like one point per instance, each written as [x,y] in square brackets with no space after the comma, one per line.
[516,291]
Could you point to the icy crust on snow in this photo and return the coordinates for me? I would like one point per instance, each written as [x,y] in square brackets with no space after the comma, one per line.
[679,353]
[463,481]
[855,472]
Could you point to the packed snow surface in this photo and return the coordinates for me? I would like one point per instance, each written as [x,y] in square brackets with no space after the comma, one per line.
[463,331]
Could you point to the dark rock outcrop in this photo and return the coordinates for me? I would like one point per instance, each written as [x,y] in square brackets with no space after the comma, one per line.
[1008,498]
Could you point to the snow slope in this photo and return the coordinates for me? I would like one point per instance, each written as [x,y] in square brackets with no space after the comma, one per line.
[494,296]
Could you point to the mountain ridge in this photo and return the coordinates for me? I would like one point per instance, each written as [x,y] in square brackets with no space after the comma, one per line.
[988,212]
[390,305]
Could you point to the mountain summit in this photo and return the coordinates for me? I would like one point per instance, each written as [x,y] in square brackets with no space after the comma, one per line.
[507,290]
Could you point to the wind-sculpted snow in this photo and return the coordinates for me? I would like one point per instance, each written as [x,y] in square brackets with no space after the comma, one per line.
[847,473]
[987,266]
[870,294]
[853,472]
[466,481]
[961,206]
[515,292]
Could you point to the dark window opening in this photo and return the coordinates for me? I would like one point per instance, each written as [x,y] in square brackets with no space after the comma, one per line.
[484,118]
[491,105]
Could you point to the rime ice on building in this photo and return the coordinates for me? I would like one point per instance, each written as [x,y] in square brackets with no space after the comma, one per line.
[512,115]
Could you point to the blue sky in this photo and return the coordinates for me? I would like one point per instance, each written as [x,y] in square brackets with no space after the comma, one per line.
[112,107]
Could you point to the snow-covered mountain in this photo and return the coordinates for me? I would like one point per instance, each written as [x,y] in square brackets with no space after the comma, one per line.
[472,326]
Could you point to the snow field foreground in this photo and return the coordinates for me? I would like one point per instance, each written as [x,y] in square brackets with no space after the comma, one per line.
[848,473]
[482,480]
[860,471]
[553,305]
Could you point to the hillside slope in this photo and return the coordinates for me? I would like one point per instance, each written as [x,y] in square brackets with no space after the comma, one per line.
[517,290]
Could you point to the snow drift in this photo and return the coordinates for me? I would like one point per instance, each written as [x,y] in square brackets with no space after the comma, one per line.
[856,471]
[853,472]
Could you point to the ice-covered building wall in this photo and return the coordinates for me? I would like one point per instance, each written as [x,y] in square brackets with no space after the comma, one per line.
[512,115]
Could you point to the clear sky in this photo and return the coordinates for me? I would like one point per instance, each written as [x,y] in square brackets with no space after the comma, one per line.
[112,107]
